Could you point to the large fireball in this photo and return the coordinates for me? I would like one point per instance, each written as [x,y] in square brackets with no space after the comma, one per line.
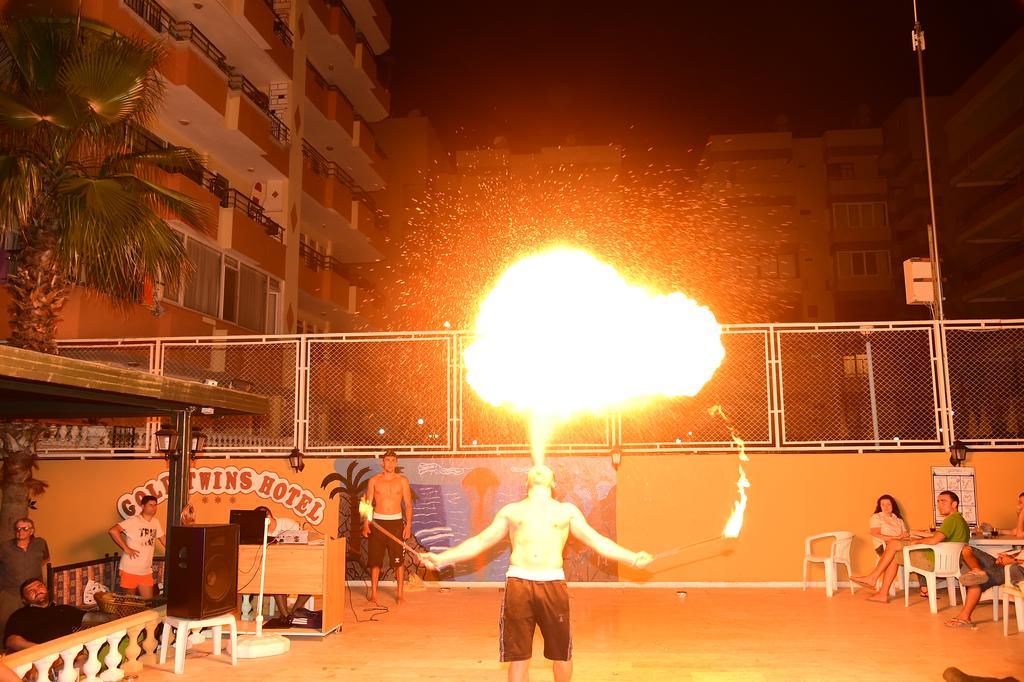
[562,333]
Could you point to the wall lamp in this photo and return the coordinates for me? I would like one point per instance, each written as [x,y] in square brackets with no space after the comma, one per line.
[295,458]
[957,453]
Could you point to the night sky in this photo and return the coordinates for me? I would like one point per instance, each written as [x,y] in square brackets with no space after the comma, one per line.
[658,77]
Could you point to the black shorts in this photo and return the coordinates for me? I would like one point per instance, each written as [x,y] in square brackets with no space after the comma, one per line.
[379,542]
[527,604]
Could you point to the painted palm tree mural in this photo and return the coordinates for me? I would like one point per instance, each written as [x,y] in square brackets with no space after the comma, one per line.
[351,486]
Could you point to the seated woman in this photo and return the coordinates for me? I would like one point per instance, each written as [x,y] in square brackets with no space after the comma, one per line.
[888,526]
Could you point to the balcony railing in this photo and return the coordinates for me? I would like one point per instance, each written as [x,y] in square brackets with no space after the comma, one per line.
[316,260]
[163,22]
[215,183]
[319,79]
[235,199]
[281,29]
[326,168]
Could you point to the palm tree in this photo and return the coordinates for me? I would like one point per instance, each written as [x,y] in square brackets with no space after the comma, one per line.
[83,203]
[352,486]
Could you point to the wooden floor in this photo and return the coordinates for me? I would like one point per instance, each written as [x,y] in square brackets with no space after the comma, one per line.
[645,635]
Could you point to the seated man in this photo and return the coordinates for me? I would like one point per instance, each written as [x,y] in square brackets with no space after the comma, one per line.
[953,529]
[995,575]
[40,620]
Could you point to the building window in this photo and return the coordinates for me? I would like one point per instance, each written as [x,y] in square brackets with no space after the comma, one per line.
[840,171]
[859,216]
[863,263]
[777,266]
[855,365]
[202,292]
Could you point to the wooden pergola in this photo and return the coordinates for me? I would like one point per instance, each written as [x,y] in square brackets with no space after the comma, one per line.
[49,387]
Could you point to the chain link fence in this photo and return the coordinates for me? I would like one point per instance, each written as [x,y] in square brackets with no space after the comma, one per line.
[986,377]
[127,436]
[740,386]
[782,387]
[267,367]
[857,386]
[378,393]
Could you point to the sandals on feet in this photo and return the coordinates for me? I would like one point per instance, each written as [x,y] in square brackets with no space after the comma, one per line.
[923,592]
[959,623]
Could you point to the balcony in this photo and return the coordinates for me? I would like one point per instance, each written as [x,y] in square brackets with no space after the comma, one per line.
[858,189]
[863,284]
[994,157]
[207,102]
[345,57]
[853,142]
[378,108]
[255,39]
[998,215]
[244,227]
[363,159]
[333,33]
[322,276]
[366,221]
[374,21]
[336,117]
[327,196]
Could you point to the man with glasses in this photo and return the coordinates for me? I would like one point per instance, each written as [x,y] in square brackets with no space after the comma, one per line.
[21,559]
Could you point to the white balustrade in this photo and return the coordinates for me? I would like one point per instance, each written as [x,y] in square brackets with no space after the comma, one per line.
[79,651]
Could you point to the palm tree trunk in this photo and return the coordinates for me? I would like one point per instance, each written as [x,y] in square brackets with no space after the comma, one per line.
[39,289]
[18,446]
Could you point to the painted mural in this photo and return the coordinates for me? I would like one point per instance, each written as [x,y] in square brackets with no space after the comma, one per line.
[456,498]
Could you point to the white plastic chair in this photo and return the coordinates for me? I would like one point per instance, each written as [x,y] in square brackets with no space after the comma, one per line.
[947,565]
[1010,591]
[901,576]
[839,553]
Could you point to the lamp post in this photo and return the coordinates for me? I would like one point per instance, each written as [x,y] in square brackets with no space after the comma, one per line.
[938,313]
[917,40]
[179,456]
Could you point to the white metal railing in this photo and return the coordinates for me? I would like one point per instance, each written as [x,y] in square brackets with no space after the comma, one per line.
[837,386]
[79,653]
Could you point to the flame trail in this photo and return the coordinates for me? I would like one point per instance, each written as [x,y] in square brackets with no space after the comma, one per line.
[563,334]
[735,522]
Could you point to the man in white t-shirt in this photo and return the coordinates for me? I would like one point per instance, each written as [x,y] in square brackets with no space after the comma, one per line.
[136,537]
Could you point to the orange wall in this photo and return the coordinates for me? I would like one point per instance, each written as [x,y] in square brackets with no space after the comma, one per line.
[80,505]
[665,501]
[89,315]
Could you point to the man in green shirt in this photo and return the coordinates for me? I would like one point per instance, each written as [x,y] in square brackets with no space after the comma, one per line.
[953,529]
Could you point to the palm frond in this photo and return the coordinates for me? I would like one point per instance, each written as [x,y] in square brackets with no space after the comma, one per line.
[115,77]
[329,479]
[168,202]
[170,159]
[113,239]
[35,48]
[15,113]
[19,185]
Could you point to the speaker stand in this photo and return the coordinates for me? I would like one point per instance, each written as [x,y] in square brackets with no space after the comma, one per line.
[262,644]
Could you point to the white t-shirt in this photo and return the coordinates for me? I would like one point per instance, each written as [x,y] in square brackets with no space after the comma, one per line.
[889,524]
[140,535]
[285,526]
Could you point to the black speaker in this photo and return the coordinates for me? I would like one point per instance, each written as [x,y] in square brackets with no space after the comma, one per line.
[201,571]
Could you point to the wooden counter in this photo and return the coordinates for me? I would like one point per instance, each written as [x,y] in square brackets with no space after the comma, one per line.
[316,569]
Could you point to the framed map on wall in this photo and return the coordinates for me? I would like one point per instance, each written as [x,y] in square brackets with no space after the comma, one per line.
[960,480]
